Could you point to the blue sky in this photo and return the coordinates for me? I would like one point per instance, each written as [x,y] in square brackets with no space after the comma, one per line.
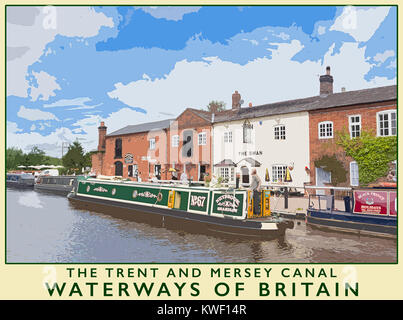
[68,68]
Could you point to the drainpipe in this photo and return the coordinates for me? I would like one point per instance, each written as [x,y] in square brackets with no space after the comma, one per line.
[212,147]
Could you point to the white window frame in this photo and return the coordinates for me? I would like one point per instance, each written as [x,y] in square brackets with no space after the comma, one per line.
[202,138]
[276,169]
[325,123]
[389,121]
[227,173]
[351,124]
[175,140]
[152,144]
[352,183]
[228,137]
[279,132]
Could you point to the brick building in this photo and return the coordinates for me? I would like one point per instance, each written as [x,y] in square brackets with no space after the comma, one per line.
[155,148]
[133,151]
[269,138]
[190,144]
[372,110]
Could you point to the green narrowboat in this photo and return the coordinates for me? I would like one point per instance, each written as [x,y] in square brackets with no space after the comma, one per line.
[216,209]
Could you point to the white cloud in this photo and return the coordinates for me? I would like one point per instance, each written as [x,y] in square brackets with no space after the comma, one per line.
[33,127]
[12,127]
[46,86]
[360,23]
[381,57]
[392,64]
[68,21]
[68,102]
[321,30]
[35,114]
[260,81]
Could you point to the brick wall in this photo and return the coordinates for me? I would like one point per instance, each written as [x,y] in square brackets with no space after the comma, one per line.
[201,154]
[340,118]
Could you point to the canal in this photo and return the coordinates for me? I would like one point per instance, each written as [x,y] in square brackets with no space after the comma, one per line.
[47,228]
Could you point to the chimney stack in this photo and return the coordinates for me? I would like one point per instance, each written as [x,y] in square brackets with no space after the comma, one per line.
[102,136]
[250,104]
[236,98]
[326,83]
[343,89]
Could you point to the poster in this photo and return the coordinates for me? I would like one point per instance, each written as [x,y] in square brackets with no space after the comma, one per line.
[74,75]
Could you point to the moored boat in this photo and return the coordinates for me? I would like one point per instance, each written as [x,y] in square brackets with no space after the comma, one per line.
[56,184]
[368,212]
[226,211]
[20,180]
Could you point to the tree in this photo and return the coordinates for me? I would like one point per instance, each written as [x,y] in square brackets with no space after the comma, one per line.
[35,157]
[216,106]
[74,160]
[14,158]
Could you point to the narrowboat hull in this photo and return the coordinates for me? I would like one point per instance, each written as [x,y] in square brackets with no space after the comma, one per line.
[365,224]
[20,185]
[184,219]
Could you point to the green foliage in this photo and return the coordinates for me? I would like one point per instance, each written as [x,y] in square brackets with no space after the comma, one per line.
[216,106]
[75,159]
[331,164]
[372,154]
[14,158]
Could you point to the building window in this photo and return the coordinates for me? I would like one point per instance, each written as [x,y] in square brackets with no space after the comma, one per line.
[354,123]
[354,177]
[227,173]
[202,138]
[175,141]
[279,132]
[386,123]
[247,132]
[152,144]
[118,148]
[325,130]
[278,172]
[228,136]
[187,144]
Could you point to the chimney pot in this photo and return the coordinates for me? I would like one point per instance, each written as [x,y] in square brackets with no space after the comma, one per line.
[250,104]
[343,89]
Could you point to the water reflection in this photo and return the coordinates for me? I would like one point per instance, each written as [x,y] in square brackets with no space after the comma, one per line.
[55,229]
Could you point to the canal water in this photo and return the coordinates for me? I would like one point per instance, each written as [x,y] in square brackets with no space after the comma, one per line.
[47,228]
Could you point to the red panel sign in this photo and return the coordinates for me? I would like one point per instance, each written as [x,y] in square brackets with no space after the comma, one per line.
[392,203]
[372,202]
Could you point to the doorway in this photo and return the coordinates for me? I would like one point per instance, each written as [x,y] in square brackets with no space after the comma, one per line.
[245,175]
[118,168]
[322,177]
